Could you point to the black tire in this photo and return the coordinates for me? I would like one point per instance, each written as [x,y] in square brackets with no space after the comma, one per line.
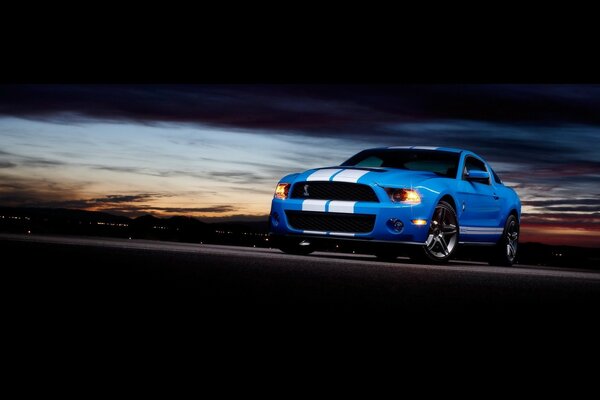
[294,247]
[442,239]
[505,253]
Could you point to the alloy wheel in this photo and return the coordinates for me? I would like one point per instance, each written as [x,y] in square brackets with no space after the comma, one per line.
[512,240]
[443,233]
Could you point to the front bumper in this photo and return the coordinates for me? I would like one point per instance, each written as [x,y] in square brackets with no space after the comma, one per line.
[383,230]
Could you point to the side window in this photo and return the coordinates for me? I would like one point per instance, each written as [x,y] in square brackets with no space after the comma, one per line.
[472,163]
[496,177]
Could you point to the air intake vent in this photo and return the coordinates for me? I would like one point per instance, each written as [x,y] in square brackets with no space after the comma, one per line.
[333,191]
[330,222]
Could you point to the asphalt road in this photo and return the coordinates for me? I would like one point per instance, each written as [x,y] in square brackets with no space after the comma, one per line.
[148,275]
[95,311]
[95,302]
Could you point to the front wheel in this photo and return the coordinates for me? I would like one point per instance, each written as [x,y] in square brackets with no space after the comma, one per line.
[442,237]
[506,249]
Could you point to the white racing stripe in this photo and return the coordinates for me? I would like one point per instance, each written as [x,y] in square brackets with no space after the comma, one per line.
[340,234]
[341,206]
[476,230]
[349,175]
[314,205]
[480,228]
[322,174]
[328,233]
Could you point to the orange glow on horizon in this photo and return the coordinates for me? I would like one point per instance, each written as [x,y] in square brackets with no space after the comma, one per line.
[561,235]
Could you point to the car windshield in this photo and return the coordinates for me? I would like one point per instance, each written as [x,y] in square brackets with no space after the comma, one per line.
[443,163]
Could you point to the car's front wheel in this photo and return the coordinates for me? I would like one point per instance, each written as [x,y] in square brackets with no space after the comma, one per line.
[442,238]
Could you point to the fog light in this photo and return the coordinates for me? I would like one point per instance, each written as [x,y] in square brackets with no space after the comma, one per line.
[419,221]
[395,224]
[275,219]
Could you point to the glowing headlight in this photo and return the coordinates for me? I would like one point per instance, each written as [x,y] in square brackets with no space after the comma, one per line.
[409,196]
[282,190]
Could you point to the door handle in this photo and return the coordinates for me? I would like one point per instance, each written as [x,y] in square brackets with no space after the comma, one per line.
[496,197]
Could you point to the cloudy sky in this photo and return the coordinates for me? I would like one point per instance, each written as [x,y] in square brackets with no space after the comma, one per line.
[216,151]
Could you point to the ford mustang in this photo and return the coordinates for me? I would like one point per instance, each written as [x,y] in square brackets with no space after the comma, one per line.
[426,201]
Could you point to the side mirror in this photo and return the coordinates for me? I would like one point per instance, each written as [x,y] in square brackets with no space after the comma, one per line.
[477,175]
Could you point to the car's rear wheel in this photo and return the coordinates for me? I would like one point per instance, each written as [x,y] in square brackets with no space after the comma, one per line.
[506,249]
[442,238]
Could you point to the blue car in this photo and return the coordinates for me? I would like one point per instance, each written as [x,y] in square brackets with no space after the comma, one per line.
[421,201]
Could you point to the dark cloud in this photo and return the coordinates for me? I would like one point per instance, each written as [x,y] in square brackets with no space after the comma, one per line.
[557,202]
[232,174]
[107,201]
[19,193]
[595,208]
[40,162]
[6,164]
[140,209]
[212,209]
[78,204]
[240,177]
[535,125]
[117,169]
[42,193]
[30,161]
[115,198]
[510,123]
[31,191]
[561,170]
[588,220]
[306,108]
[148,171]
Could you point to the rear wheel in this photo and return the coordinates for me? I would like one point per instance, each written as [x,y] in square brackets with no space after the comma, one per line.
[506,249]
[442,238]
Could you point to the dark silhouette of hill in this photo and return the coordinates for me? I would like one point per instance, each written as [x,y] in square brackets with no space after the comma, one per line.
[93,223]
[243,233]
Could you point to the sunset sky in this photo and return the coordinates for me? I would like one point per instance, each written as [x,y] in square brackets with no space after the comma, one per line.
[216,152]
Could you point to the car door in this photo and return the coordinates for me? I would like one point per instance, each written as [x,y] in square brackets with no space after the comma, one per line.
[479,211]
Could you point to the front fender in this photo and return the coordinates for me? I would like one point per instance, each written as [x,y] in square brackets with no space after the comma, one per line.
[433,191]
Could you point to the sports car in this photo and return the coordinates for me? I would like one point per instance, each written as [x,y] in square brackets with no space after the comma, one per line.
[425,201]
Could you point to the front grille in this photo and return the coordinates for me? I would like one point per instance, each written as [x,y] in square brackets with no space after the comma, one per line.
[330,222]
[333,191]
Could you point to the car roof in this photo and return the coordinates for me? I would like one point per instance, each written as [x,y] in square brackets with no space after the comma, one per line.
[449,149]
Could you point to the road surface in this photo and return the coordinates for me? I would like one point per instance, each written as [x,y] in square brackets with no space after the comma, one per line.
[214,278]
[111,307]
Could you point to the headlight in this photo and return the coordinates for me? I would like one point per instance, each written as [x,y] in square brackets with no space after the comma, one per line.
[282,190]
[408,196]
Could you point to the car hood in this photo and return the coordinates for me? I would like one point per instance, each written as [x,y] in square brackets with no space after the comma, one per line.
[370,176]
